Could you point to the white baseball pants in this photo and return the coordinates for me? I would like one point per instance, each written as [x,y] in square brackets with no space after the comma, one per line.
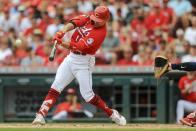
[79,67]
[184,106]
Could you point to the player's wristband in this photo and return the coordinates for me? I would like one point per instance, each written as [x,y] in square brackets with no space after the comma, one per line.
[73,23]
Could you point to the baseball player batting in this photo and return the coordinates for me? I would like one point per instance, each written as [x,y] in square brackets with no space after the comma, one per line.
[90,32]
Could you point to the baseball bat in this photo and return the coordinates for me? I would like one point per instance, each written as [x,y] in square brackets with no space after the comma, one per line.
[52,53]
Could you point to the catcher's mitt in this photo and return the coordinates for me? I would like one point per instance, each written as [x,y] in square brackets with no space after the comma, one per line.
[161,64]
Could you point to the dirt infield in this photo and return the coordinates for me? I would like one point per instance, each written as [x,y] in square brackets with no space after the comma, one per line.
[95,126]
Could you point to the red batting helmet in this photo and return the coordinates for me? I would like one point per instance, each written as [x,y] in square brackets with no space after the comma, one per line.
[101,14]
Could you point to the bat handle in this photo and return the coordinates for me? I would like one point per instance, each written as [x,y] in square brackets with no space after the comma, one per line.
[55,43]
[52,54]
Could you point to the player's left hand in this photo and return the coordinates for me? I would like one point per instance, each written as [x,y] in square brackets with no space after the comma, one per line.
[59,34]
[59,41]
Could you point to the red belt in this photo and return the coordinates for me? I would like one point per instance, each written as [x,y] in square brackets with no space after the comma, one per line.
[78,53]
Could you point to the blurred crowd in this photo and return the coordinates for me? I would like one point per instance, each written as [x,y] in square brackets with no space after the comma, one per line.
[138,30]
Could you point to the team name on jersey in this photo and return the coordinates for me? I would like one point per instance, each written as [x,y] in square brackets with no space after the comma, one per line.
[83,31]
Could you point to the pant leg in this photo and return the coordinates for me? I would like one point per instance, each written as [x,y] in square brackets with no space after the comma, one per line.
[184,106]
[179,110]
[84,78]
[64,76]
[189,106]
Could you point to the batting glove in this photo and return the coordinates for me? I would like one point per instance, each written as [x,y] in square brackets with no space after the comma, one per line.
[59,34]
[59,41]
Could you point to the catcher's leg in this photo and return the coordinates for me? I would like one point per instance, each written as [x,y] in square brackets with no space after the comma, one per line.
[84,78]
[63,77]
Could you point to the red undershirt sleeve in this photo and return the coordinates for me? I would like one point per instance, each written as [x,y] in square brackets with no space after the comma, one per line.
[79,21]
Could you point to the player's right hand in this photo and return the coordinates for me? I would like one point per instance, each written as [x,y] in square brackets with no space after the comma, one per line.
[59,41]
[59,34]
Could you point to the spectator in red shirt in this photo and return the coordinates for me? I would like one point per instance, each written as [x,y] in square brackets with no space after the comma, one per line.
[70,105]
[152,42]
[29,31]
[124,36]
[45,21]
[43,50]
[138,25]
[169,13]
[165,35]
[147,60]
[11,60]
[60,11]
[127,60]
[187,86]
[156,19]
[21,48]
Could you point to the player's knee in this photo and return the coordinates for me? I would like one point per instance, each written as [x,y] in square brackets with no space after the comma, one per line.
[180,103]
[57,85]
[87,95]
